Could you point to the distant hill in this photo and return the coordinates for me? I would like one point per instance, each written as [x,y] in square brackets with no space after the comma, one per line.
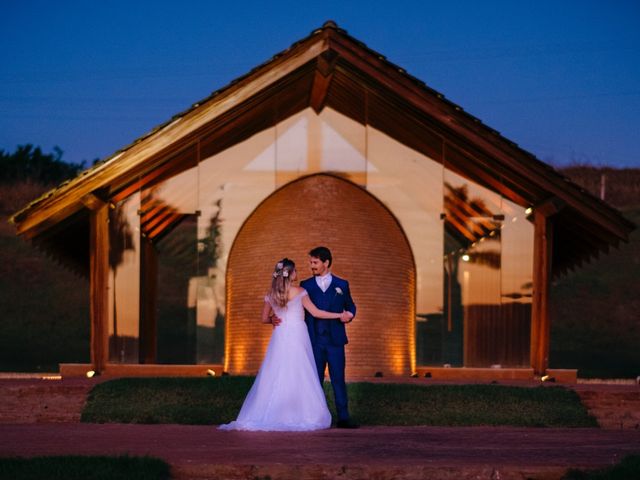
[595,310]
[45,307]
[619,187]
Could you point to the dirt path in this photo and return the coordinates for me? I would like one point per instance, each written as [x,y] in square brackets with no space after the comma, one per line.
[42,401]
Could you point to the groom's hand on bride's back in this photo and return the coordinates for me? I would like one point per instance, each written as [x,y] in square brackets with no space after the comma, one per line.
[275,320]
[346,316]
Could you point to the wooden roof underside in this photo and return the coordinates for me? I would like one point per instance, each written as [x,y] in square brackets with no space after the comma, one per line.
[330,68]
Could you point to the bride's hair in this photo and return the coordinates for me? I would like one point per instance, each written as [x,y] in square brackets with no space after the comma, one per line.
[281,282]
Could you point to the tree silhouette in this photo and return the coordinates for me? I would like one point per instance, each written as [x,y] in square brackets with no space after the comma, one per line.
[30,163]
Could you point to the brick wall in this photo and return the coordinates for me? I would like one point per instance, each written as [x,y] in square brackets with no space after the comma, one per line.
[369,250]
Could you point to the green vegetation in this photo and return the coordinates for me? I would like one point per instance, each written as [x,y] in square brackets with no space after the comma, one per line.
[628,468]
[76,467]
[595,314]
[29,163]
[167,400]
[45,309]
[466,405]
[218,400]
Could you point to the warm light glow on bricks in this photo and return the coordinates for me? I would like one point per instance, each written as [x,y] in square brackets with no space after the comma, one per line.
[370,250]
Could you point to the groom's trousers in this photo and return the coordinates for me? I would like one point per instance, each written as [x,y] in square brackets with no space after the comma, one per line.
[325,353]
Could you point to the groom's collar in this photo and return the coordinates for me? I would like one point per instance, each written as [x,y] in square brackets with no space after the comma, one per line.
[326,275]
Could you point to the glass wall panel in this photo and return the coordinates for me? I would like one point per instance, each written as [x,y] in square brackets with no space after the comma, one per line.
[517,283]
[208,287]
[168,221]
[231,184]
[488,261]
[472,272]
[409,183]
[124,280]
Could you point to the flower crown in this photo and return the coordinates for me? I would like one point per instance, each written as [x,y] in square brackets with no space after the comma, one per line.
[280,271]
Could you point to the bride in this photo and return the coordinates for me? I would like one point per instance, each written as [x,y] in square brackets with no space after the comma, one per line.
[286,394]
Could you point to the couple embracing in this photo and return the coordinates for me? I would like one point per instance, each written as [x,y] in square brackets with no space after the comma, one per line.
[309,333]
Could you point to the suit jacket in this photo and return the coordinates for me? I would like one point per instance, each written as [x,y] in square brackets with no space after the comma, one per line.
[336,299]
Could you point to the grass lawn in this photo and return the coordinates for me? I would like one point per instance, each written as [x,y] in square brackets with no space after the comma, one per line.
[210,401]
[628,468]
[75,467]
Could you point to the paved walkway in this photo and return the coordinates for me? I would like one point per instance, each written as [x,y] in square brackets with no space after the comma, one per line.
[369,452]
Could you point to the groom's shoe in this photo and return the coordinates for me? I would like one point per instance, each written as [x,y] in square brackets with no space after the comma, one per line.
[346,424]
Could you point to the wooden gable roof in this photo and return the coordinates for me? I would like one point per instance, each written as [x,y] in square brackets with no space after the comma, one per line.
[331,68]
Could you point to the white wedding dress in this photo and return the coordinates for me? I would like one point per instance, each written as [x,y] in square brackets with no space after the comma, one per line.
[286,395]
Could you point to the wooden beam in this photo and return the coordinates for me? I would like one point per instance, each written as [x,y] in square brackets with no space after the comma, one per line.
[551,206]
[318,95]
[540,322]
[93,201]
[99,287]
[322,80]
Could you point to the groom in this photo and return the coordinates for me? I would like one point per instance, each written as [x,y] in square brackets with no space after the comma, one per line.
[328,337]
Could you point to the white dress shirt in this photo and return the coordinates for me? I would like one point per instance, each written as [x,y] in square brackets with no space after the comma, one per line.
[324,281]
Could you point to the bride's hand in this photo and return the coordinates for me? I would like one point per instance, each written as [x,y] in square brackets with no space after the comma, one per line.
[346,316]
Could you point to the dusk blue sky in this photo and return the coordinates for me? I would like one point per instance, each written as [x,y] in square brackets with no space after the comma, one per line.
[559,78]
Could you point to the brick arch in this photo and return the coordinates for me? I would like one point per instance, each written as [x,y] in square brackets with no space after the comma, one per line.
[369,249]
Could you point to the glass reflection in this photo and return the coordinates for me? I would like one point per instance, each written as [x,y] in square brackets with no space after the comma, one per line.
[168,220]
[181,224]
[472,256]
[409,183]
[517,283]
[231,184]
[308,143]
[206,290]
[124,280]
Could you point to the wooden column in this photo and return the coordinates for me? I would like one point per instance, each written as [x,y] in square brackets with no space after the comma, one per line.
[542,271]
[99,286]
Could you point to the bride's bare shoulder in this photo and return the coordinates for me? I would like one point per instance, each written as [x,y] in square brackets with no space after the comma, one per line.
[294,291]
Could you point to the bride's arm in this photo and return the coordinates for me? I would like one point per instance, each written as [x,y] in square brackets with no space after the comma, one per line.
[316,312]
[265,313]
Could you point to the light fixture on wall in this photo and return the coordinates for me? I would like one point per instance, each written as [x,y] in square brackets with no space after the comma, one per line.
[211,373]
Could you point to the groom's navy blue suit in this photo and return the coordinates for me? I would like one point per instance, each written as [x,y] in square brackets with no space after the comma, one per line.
[328,337]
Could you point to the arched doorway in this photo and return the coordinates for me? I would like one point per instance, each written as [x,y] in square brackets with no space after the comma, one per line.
[369,249]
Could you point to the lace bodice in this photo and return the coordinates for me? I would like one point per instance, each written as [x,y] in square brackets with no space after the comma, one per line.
[293,311]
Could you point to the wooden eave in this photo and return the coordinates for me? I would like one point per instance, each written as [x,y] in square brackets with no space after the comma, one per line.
[330,68]
[453,120]
[162,141]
